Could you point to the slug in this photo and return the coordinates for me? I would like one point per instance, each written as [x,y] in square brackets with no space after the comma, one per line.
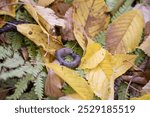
[62,53]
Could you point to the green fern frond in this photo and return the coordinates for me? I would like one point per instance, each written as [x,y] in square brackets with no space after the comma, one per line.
[19,72]
[100,38]
[124,8]
[13,62]
[5,52]
[21,86]
[111,4]
[141,56]
[39,85]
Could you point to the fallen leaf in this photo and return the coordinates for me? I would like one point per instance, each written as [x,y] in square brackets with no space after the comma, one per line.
[73,96]
[144,97]
[102,76]
[45,17]
[124,34]
[35,34]
[8,7]
[3,93]
[2,22]
[53,85]
[93,56]
[73,79]
[145,10]
[89,18]
[45,3]
[145,46]
[60,7]
[67,33]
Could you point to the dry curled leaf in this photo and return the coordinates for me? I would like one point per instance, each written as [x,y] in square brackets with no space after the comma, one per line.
[53,85]
[35,34]
[89,18]
[8,7]
[124,34]
[67,33]
[73,79]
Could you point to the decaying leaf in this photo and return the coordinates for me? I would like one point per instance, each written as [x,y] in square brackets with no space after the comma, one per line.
[124,34]
[53,85]
[45,2]
[145,46]
[35,34]
[67,33]
[8,7]
[89,18]
[73,96]
[78,83]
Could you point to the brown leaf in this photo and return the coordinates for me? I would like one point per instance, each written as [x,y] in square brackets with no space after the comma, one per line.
[53,84]
[147,29]
[60,7]
[67,33]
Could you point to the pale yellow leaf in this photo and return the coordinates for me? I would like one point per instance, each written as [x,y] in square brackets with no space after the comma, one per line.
[78,83]
[124,34]
[93,56]
[45,2]
[35,34]
[89,18]
[145,46]
[8,7]
[144,97]
[73,96]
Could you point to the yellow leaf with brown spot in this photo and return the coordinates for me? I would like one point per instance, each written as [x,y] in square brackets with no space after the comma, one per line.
[35,34]
[89,17]
[124,34]
[8,7]
[93,56]
[145,46]
[78,83]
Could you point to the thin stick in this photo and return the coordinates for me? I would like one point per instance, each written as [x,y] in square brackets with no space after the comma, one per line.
[133,87]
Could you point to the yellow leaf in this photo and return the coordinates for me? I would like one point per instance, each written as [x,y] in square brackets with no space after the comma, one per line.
[144,97]
[145,46]
[35,34]
[122,62]
[78,83]
[89,18]
[45,2]
[101,78]
[124,34]
[93,56]
[8,7]
[73,96]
